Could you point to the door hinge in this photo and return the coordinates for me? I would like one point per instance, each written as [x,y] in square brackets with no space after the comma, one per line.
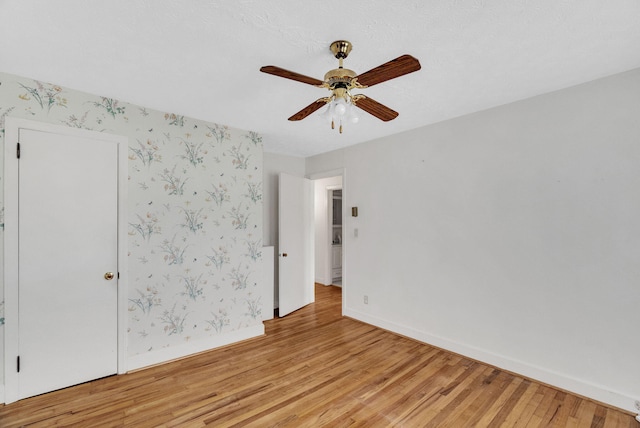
[18,150]
[18,363]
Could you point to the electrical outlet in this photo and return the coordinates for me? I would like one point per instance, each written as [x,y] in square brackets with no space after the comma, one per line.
[366,300]
[637,403]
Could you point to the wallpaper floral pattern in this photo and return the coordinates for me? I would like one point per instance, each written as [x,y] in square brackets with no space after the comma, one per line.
[195,212]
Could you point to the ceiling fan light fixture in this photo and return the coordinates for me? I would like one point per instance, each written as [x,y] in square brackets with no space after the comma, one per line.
[327,114]
[340,110]
[340,107]
[340,81]
[352,114]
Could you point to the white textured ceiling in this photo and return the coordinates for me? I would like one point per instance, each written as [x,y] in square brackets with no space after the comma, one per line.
[201,58]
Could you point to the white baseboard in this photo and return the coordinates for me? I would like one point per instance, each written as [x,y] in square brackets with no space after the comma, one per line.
[322,280]
[559,380]
[167,354]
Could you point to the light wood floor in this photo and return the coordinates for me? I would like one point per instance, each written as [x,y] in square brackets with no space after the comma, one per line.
[315,368]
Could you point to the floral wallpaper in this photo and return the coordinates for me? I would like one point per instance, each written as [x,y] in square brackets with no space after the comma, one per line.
[195,212]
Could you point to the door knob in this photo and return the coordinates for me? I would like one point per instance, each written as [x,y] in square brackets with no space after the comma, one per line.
[284,254]
[108,276]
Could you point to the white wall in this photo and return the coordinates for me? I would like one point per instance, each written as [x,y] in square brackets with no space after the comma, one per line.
[273,165]
[321,227]
[510,235]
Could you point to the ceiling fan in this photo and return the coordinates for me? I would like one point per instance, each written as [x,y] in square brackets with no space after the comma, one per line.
[340,81]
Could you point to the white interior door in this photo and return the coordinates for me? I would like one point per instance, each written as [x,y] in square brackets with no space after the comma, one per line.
[295,287]
[67,227]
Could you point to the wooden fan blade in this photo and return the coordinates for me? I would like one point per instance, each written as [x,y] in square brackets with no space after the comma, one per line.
[316,105]
[277,71]
[400,66]
[376,109]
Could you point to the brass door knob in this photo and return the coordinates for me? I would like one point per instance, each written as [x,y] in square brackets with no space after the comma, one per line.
[108,276]
[284,254]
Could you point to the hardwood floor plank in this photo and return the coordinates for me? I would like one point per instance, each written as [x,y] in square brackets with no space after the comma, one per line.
[315,368]
[509,404]
[599,417]
[485,394]
[333,410]
[508,387]
[390,397]
[523,410]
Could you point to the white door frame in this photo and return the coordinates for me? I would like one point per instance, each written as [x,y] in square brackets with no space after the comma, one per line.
[11,336]
[346,222]
[329,237]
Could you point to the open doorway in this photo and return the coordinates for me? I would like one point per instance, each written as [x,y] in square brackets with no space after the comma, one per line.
[328,229]
[335,234]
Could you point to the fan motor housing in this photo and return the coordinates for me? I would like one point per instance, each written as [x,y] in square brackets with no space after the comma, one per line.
[339,76]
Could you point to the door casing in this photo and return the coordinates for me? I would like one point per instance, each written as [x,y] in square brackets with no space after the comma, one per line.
[346,222]
[11,188]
